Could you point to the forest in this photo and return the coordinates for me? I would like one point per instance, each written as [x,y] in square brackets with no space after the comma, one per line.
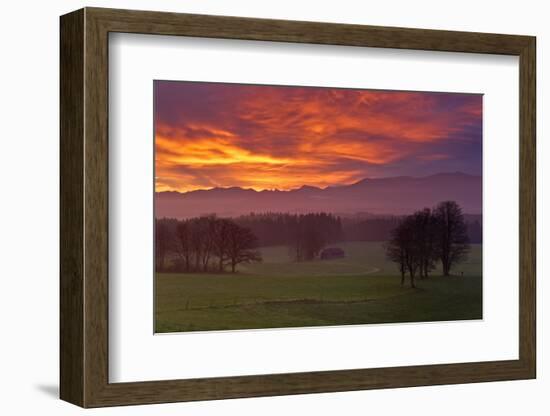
[213,244]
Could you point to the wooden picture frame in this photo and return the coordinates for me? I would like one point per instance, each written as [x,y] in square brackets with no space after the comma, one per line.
[84,207]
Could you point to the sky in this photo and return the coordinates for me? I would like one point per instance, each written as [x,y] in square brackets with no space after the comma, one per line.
[210,135]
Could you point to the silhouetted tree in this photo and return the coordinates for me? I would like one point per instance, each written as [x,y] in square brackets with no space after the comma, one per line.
[426,236]
[452,237]
[413,258]
[203,244]
[425,227]
[210,225]
[198,235]
[222,234]
[241,247]
[395,251]
[162,244]
[182,246]
[405,249]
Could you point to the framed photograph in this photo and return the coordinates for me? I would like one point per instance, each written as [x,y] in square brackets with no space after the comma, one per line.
[254,207]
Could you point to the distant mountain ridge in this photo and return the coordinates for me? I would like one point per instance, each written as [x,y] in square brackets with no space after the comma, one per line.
[392,196]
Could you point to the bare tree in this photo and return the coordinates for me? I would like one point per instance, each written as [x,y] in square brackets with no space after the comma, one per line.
[221,241]
[197,238]
[395,251]
[241,248]
[162,244]
[427,236]
[182,245]
[209,226]
[203,244]
[403,248]
[409,236]
[425,229]
[452,238]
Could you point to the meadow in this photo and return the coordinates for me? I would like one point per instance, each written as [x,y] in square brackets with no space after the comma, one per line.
[362,288]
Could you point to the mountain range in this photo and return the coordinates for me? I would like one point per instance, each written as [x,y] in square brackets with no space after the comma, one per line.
[378,196]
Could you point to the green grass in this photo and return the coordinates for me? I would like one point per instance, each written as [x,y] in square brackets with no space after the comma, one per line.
[362,288]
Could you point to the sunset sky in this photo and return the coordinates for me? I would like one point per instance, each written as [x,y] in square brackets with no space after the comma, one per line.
[269,137]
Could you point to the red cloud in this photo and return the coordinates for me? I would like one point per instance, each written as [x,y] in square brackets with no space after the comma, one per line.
[266,137]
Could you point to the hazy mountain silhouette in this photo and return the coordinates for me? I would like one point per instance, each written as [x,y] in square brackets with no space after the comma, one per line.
[392,195]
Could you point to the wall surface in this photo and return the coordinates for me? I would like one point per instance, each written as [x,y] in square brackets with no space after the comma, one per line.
[29,159]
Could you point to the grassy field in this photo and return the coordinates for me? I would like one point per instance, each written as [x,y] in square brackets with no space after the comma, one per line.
[362,288]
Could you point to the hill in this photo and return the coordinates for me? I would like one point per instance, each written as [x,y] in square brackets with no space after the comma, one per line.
[379,196]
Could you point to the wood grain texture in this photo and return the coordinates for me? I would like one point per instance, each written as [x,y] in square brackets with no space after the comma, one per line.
[84,202]
[96,208]
[527,214]
[71,208]
[162,23]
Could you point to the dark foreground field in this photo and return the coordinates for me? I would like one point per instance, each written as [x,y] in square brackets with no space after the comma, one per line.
[362,288]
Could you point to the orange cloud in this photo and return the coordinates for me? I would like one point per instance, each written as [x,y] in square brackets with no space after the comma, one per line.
[264,137]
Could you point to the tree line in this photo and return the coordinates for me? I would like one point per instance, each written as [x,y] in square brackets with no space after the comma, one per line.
[210,243]
[380,228]
[428,237]
[279,229]
[310,233]
[300,231]
[416,243]
[203,244]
